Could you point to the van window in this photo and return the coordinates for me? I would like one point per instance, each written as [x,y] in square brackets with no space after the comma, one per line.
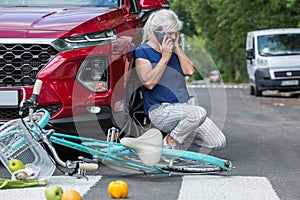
[279,45]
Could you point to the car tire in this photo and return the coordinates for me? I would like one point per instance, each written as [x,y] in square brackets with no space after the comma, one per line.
[251,90]
[257,92]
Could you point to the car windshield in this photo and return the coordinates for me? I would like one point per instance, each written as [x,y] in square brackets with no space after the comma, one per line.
[59,3]
[214,73]
[277,45]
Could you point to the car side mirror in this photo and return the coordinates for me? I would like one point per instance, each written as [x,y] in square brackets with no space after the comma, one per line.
[147,6]
[250,54]
[153,5]
[144,14]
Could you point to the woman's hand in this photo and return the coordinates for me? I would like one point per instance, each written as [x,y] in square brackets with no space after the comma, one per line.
[176,41]
[166,47]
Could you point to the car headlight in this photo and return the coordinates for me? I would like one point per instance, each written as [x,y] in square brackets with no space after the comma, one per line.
[93,74]
[86,40]
[262,62]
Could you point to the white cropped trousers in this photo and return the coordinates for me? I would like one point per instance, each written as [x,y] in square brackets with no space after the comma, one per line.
[182,119]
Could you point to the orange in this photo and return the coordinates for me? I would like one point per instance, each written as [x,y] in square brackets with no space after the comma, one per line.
[71,195]
[117,189]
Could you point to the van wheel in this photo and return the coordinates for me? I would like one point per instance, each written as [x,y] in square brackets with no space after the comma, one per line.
[251,90]
[257,92]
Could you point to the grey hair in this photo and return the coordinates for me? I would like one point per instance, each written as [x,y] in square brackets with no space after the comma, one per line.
[165,18]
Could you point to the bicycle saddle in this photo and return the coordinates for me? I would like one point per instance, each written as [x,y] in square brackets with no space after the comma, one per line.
[148,146]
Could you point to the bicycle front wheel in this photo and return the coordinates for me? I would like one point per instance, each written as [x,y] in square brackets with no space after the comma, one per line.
[41,117]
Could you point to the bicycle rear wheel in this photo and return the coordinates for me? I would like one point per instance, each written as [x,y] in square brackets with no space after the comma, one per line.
[185,161]
[190,162]
[172,160]
[187,166]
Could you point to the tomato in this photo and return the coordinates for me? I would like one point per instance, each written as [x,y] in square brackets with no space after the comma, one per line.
[118,189]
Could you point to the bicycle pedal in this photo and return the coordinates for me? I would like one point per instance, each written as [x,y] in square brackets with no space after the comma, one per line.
[79,176]
[113,135]
[81,173]
[76,175]
[77,172]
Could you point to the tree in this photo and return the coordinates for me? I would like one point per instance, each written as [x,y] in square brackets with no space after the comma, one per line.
[224,24]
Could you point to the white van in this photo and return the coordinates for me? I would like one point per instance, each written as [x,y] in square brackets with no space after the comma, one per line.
[273,60]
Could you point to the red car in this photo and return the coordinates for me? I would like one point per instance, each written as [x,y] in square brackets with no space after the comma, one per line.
[80,49]
[214,76]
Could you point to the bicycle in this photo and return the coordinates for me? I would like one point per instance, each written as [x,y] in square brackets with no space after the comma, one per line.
[29,136]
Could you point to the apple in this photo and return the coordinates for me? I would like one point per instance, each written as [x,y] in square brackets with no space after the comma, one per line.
[15,165]
[54,192]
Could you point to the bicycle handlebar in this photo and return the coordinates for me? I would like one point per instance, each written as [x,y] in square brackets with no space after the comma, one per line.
[32,102]
[79,167]
[89,166]
[36,92]
[37,87]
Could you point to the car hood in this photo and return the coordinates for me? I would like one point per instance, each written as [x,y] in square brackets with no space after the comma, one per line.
[284,61]
[46,19]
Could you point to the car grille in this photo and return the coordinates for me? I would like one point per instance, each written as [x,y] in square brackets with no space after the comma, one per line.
[287,74]
[12,113]
[20,63]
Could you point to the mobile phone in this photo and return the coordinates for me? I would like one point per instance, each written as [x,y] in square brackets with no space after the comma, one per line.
[159,34]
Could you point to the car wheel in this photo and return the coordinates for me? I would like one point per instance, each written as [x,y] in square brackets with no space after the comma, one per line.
[251,90]
[257,92]
[133,118]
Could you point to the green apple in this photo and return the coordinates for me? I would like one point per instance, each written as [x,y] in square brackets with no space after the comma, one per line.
[54,192]
[15,165]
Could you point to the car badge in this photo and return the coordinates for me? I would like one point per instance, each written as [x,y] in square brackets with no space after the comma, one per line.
[289,73]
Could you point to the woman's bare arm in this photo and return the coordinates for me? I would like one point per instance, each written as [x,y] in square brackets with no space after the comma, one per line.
[151,76]
[148,76]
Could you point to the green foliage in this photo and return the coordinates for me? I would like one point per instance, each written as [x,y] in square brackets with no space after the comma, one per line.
[185,16]
[194,49]
[223,25]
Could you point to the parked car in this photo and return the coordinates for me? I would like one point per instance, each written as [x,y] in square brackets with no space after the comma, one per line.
[273,57]
[80,49]
[214,76]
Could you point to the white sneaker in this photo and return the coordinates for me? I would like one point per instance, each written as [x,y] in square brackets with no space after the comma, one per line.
[165,144]
[168,159]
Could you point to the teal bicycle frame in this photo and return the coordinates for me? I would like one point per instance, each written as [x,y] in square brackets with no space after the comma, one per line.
[111,152]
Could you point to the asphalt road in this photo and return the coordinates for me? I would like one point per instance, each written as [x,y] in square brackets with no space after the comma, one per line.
[263,137]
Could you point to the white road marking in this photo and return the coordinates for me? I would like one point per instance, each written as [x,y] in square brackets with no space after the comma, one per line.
[38,193]
[202,187]
[226,188]
[242,86]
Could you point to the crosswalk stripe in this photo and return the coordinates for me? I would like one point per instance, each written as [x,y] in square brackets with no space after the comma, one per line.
[202,187]
[220,86]
[38,193]
[226,188]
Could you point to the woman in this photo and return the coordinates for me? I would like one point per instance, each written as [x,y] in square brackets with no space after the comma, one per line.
[162,66]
